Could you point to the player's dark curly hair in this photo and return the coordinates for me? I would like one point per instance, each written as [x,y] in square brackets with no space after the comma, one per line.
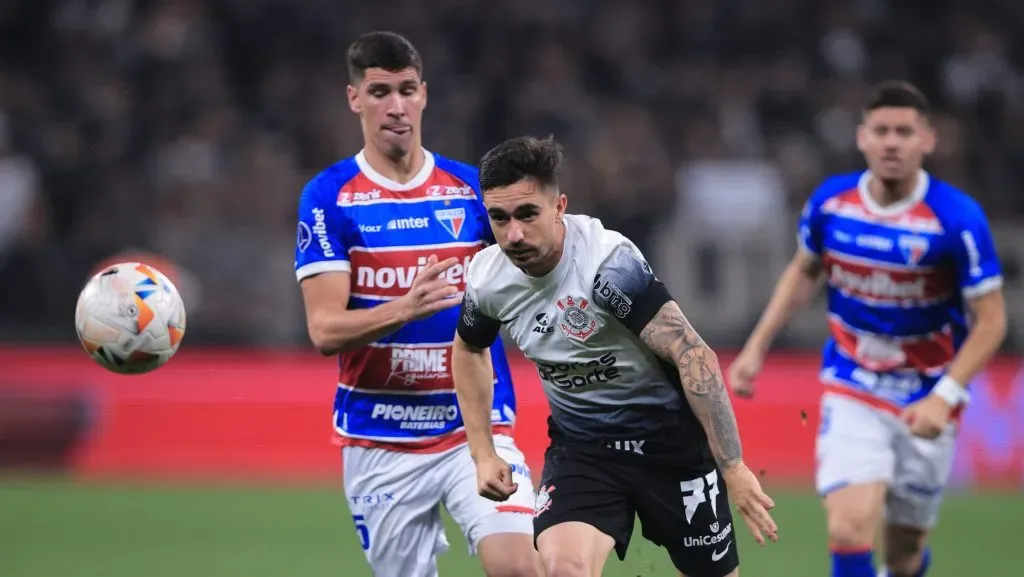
[387,50]
[898,94]
[521,158]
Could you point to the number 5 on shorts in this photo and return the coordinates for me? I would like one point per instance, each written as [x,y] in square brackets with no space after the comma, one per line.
[826,420]
[693,494]
[363,530]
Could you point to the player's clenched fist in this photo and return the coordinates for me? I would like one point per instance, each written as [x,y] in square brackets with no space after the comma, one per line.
[928,417]
[752,503]
[494,478]
[743,371]
[430,291]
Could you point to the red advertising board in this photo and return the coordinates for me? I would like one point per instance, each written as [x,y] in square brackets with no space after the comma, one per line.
[266,415]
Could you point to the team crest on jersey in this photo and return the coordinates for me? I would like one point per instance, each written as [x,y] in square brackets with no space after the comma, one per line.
[577,322]
[452,220]
[304,237]
[913,248]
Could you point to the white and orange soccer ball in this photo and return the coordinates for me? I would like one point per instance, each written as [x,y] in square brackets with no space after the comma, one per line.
[130,318]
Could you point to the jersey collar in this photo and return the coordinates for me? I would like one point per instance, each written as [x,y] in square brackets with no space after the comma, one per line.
[915,197]
[386,183]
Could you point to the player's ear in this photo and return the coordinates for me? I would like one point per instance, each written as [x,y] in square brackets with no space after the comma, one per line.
[353,99]
[930,138]
[862,131]
[423,87]
[560,205]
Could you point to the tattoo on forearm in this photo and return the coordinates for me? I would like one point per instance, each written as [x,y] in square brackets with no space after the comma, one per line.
[698,371]
[670,336]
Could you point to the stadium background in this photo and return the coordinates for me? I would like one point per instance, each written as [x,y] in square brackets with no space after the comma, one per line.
[184,130]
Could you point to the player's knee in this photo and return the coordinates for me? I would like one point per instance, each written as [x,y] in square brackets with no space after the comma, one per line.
[518,567]
[509,555]
[566,566]
[850,528]
[514,564]
[853,515]
[563,562]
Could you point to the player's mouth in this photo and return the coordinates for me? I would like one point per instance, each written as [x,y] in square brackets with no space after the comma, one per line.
[520,254]
[399,129]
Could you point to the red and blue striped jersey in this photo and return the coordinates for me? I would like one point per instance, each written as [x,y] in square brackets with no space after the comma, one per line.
[897,280]
[398,392]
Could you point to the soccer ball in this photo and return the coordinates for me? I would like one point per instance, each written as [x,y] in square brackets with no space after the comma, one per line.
[130,318]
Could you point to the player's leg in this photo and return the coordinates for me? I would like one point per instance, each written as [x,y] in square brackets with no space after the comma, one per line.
[394,500]
[574,549]
[906,551]
[688,514]
[501,534]
[853,514]
[582,513]
[509,554]
[923,467]
[855,464]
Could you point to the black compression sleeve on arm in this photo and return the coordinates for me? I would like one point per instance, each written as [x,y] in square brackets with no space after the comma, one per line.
[626,286]
[475,328]
[646,306]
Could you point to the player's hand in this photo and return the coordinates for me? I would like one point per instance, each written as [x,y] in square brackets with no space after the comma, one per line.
[494,478]
[928,417]
[752,503]
[743,370]
[430,291]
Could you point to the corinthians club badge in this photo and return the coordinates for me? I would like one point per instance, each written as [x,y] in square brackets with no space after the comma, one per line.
[576,322]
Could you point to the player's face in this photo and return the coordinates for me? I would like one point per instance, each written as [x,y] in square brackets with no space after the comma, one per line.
[895,141]
[390,107]
[527,222]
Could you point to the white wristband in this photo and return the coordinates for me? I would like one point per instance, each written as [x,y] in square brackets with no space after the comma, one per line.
[951,391]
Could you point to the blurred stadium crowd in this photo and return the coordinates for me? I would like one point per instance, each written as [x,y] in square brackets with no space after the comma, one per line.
[188,127]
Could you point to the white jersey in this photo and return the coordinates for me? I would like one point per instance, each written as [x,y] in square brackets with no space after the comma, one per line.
[580,325]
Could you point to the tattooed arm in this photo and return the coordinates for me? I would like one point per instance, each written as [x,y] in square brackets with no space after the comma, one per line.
[626,286]
[670,336]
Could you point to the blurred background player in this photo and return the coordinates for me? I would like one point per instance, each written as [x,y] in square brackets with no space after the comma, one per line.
[915,312]
[641,423]
[372,229]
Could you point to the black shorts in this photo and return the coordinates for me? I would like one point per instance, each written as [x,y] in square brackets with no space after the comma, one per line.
[683,509]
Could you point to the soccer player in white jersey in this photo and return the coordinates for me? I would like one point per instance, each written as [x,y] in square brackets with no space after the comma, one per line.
[367,224]
[641,423]
[915,312]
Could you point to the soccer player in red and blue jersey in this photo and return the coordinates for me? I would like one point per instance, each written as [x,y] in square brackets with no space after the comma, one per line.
[915,311]
[384,240]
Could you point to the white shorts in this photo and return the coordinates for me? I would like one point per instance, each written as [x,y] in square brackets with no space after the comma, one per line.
[858,443]
[395,502]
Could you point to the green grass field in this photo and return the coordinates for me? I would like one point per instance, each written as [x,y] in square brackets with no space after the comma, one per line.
[54,528]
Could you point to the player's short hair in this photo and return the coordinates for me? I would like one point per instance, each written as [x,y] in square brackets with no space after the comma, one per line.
[898,94]
[519,159]
[386,50]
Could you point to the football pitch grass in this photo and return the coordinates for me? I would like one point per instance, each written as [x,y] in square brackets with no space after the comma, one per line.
[51,528]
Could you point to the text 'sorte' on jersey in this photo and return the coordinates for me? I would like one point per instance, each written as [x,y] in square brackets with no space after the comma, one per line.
[398,393]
